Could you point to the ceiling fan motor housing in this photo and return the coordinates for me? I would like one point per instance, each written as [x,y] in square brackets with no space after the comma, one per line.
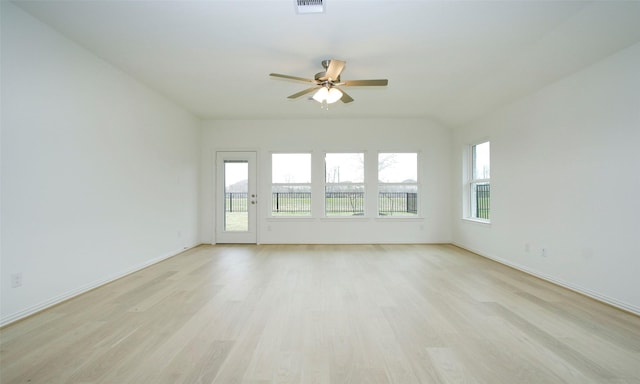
[322,75]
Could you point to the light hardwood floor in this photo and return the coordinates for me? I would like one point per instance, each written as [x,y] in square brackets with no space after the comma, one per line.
[325,314]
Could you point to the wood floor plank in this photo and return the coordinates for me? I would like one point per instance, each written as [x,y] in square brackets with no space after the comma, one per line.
[325,314]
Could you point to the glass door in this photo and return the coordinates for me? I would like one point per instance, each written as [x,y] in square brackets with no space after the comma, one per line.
[236,197]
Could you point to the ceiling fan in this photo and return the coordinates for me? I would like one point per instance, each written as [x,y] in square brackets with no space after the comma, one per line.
[326,83]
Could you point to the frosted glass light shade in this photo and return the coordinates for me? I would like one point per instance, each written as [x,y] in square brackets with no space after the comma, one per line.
[334,95]
[327,95]
[321,95]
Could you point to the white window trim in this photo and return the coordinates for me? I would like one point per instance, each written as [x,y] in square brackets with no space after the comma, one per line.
[477,221]
[467,208]
[270,214]
[363,184]
[418,214]
[370,185]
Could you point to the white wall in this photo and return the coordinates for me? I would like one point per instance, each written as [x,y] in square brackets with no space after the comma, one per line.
[566,177]
[99,173]
[431,140]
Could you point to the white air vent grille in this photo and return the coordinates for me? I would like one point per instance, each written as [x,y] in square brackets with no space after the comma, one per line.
[310,6]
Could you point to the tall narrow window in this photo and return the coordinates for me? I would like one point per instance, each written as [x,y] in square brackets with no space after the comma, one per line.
[344,184]
[291,184]
[480,183]
[397,184]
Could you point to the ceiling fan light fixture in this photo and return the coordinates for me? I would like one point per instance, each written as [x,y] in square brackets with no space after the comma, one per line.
[327,95]
[325,84]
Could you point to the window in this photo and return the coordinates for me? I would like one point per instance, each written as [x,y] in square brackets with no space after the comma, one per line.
[480,183]
[291,184]
[236,190]
[397,184]
[344,184]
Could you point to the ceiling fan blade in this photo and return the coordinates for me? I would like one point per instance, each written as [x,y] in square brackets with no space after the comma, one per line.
[293,78]
[308,90]
[334,69]
[351,83]
[345,98]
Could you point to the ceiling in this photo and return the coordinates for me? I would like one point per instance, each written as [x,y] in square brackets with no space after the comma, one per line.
[451,61]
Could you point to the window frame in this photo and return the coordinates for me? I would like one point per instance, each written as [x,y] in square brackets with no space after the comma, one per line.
[380,184]
[470,189]
[309,185]
[362,185]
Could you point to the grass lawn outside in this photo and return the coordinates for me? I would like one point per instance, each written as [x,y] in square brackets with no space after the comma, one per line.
[236,221]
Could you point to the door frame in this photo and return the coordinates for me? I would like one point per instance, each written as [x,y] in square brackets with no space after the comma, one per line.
[236,237]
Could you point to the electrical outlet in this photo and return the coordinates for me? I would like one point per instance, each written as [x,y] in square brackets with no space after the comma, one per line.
[16,280]
[527,247]
[544,252]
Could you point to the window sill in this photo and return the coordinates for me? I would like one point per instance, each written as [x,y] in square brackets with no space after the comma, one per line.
[346,218]
[290,218]
[477,221]
[399,218]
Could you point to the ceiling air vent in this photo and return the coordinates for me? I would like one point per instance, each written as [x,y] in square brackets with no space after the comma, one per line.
[310,6]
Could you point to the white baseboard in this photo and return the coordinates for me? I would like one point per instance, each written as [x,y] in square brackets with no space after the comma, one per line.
[581,290]
[11,318]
